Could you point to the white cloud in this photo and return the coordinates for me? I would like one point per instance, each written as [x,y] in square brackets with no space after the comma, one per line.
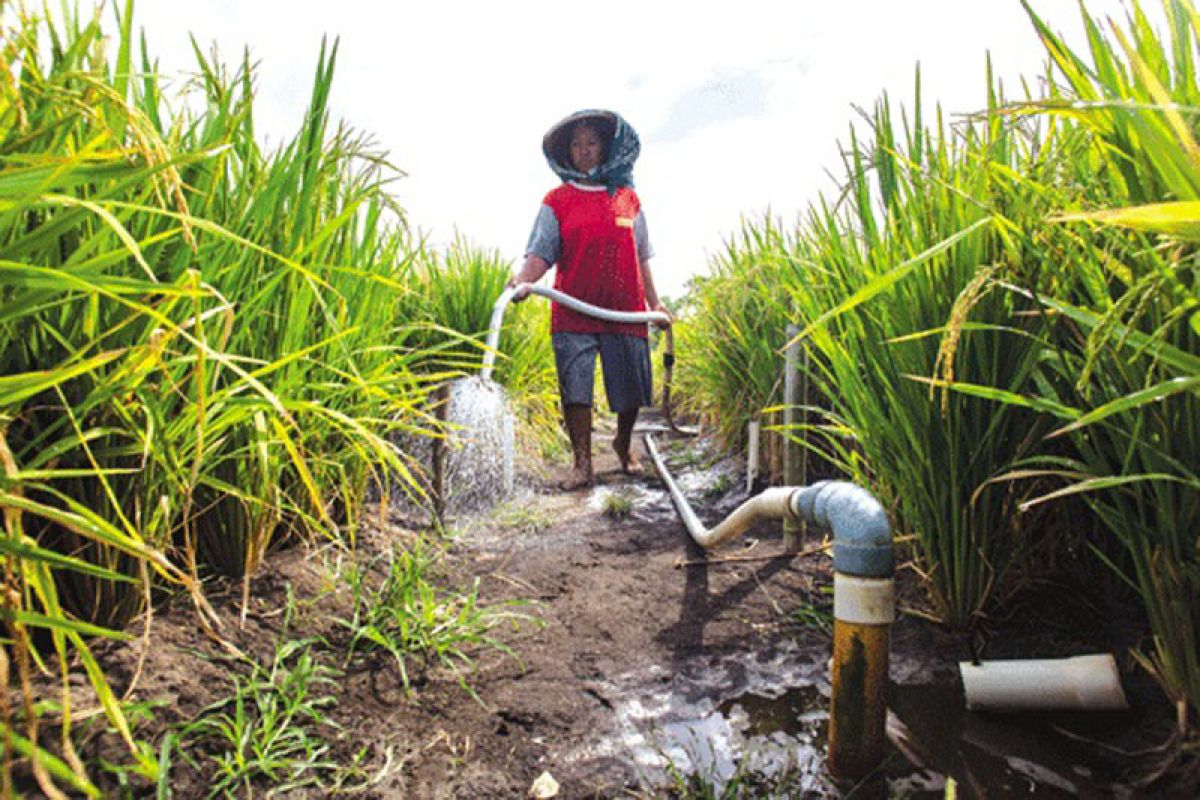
[461,92]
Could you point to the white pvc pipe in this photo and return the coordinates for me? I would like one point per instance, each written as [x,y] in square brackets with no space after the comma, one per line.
[1081,683]
[864,601]
[606,314]
[770,504]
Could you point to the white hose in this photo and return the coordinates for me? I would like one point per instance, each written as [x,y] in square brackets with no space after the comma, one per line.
[606,314]
[770,504]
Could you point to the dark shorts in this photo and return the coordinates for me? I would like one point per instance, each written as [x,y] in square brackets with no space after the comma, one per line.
[624,359]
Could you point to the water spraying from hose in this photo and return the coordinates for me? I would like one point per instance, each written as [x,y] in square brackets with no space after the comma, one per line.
[473,465]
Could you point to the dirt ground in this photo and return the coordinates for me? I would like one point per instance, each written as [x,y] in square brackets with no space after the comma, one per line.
[631,614]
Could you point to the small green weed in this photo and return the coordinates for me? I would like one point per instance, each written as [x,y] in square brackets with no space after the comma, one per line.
[409,618]
[524,518]
[816,612]
[688,458]
[137,769]
[147,767]
[555,448]
[745,783]
[811,616]
[684,454]
[719,487]
[618,505]
[271,728]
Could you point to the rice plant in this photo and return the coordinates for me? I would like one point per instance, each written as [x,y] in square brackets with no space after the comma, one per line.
[1119,371]
[1004,317]
[730,335]
[879,305]
[87,326]
[1125,366]
[458,289]
[874,284]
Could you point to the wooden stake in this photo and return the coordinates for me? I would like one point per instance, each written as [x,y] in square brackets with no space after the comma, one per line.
[791,400]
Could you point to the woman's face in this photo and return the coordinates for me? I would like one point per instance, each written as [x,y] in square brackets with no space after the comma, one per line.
[587,148]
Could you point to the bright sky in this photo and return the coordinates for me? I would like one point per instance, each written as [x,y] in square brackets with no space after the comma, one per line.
[740,106]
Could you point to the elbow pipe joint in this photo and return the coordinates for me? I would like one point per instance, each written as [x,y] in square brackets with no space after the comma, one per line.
[862,536]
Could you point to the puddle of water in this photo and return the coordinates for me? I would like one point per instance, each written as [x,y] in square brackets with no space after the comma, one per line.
[990,755]
[708,485]
[645,504]
[678,723]
[793,713]
[764,723]
[763,720]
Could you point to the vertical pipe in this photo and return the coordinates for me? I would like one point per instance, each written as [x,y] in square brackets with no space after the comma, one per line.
[864,606]
[438,451]
[752,434]
[791,399]
[858,706]
[864,601]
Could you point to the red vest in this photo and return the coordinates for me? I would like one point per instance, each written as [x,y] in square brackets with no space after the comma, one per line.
[598,260]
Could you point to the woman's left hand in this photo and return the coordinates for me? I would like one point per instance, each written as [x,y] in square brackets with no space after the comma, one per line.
[664,310]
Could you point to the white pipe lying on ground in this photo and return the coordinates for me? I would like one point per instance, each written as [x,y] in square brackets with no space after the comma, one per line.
[1081,683]
[770,504]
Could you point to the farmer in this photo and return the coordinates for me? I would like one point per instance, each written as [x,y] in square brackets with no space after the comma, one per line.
[591,227]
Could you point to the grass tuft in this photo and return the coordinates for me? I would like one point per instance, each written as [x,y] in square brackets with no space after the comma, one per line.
[419,625]
[618,505]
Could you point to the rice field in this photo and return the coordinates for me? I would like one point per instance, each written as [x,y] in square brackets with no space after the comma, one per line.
[210,350]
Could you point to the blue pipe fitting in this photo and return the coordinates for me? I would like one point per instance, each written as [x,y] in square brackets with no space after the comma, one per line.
[862,536]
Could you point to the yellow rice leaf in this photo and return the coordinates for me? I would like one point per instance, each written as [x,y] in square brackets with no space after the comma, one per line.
[1180,218]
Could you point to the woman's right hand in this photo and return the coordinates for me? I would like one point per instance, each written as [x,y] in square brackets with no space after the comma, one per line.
[523,289]
[531,271]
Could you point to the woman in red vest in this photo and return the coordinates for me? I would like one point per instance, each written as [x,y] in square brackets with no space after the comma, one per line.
[592,229]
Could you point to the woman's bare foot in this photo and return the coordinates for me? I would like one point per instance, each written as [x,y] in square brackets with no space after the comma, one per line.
[578,479]
[623,442]
[630,463]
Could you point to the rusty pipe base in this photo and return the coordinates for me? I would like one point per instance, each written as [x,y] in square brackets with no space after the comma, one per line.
[858,708]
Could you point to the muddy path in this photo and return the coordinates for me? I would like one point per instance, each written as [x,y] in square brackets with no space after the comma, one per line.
[640,661]
[643,636]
